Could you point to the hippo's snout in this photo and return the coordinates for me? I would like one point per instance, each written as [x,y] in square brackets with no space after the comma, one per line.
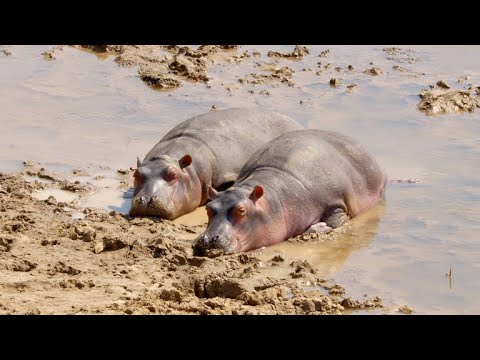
[143,201]
[206,245]
[143,205]
[205,241]
[153,200]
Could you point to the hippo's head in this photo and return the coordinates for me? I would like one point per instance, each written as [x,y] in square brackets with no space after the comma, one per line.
[236,221]
[164,187]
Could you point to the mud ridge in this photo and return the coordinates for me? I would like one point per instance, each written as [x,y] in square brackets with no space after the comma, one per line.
[168,66]
[441,99]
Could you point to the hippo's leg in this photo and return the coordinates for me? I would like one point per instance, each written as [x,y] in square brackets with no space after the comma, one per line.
[319,227]
[335,217]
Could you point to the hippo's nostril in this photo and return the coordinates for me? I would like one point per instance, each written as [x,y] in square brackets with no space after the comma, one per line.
[215,239]
[204,239]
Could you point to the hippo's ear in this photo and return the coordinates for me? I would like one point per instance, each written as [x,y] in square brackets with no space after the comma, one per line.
[185,161]
[138,162]
[256,194]
[211,192]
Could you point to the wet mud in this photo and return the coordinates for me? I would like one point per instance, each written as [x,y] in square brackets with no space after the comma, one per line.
[168,66]
[440,99]
[108,262]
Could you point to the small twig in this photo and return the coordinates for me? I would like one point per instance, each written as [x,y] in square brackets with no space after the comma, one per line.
[449,274]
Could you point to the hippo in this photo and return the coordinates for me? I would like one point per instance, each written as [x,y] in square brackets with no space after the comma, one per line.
[301,181]
[205,151]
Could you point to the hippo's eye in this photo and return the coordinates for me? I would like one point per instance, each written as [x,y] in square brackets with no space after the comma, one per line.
[170,175]
[239,211]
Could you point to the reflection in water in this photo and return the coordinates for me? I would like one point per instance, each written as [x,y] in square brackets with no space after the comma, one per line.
[330,255]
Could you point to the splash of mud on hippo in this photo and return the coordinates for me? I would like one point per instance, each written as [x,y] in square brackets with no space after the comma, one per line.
[306,180]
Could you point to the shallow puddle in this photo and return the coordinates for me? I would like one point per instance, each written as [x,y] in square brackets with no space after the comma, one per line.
[108,196]
[197,217]
[59,195]
[329,256]
[107,199]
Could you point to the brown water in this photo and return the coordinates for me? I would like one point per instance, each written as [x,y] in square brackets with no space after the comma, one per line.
[83,110]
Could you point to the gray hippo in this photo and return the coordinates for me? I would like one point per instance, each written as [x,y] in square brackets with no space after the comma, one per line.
[205,151]
[305,180]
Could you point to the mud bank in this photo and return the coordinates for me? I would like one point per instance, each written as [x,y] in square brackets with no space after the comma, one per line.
[167,66]
[163,66]
[440,99]
[53,262]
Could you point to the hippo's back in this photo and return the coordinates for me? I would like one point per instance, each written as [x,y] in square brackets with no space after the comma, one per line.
[234,130]
[231,135]
[330,166]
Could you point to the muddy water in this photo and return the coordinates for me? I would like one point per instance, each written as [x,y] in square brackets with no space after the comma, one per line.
[197,217]
[84,110]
